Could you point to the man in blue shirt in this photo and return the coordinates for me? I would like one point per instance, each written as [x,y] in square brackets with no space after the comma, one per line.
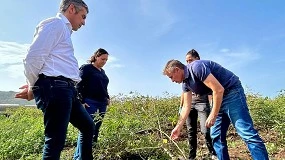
[200,108]
[229,104]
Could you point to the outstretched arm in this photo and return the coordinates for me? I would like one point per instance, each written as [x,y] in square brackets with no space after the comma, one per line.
[218,92]
[187,98]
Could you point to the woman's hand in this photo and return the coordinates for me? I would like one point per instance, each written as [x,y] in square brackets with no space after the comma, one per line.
[85,105]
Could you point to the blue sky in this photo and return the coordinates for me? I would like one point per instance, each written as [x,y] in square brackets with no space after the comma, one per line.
[244,36]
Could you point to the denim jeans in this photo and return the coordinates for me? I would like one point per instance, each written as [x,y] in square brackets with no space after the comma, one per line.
[97,112]
[234,110]
[202,111]
[58,101]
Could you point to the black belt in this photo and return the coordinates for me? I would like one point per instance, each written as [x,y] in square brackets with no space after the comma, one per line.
[70,81]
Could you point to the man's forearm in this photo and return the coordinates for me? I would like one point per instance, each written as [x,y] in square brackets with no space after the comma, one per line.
[181,100]
[183,116]
[217,101]
[32,69]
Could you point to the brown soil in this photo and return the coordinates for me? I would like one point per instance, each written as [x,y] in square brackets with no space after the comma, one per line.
[237,148]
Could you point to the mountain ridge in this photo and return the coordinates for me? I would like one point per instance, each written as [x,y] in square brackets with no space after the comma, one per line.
[8,97]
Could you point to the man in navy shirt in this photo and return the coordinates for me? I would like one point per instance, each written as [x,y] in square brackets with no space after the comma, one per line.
[229,104]
[200,108]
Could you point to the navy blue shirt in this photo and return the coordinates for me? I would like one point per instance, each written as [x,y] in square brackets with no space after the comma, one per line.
[197,71]
[94,83]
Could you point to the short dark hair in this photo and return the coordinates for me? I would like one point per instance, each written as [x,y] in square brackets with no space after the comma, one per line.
[77,3]
[193,53]
[170,65]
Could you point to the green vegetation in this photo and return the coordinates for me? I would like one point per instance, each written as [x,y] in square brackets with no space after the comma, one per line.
[135,127]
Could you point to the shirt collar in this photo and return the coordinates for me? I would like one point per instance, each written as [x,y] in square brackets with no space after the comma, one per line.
[65,20]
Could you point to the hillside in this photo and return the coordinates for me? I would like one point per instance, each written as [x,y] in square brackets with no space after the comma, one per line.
[7,97]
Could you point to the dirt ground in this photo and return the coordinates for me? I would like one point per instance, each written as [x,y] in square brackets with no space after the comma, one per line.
[237,148]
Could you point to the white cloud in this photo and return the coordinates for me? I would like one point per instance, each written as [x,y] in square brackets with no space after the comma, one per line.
[236,59]
[81,61]
[15,71]
[112,59]
[116,66]
[224,50]
[233,59]
[12,55]
[112,62]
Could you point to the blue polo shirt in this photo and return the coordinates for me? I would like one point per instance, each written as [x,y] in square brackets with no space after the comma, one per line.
[197,71]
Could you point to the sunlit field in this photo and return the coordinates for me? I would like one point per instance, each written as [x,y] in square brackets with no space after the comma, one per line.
[138,127]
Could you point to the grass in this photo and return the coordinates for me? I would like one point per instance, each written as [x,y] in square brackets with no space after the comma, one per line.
[138,127]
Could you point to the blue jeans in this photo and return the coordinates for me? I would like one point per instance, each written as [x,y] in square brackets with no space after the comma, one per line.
[234,110]
[93,109]
[57,98]
[201,110]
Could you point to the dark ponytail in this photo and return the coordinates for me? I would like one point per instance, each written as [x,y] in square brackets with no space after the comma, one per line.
[96,54]
[193,53]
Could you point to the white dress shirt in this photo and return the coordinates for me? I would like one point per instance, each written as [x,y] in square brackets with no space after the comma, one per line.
[51,51]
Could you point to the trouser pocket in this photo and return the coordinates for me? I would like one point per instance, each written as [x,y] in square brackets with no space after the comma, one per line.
[42,93]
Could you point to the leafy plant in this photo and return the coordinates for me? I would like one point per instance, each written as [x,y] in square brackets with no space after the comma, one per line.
[135,127]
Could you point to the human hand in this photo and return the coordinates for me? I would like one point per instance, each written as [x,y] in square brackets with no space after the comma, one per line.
[175,133]
[85,105]
[210,120]
[25,93]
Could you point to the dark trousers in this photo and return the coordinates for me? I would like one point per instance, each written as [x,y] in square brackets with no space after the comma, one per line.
[97,112]
[201,110]
[57,98]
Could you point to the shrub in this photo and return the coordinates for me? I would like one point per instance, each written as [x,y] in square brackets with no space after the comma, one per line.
[135,127]
[21,132]
[268,113]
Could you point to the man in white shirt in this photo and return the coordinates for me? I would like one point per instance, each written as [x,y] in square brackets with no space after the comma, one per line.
[52,71]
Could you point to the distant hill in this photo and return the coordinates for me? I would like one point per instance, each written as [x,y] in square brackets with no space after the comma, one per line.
[7,97]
